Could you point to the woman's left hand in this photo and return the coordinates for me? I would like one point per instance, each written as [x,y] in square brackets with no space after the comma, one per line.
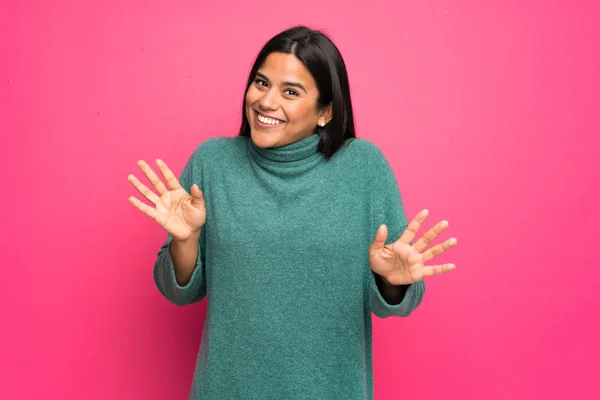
[400,263]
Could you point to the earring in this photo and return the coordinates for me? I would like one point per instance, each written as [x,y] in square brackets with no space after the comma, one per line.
[322,124]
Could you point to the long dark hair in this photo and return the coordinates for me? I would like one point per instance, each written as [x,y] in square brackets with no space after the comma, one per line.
[325,63]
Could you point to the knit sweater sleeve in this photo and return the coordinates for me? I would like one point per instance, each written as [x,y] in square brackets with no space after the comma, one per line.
[388,208]
[164,270]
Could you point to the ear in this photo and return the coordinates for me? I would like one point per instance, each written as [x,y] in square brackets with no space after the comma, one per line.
[326,114]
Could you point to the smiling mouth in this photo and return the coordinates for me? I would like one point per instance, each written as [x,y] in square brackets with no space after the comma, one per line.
[268,121]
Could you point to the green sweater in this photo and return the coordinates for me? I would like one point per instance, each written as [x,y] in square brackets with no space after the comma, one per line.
[283,264]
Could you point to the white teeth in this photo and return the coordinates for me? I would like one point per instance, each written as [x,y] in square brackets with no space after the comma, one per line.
[269,121]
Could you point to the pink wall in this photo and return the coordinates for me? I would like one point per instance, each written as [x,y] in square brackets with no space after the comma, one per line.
[488,114]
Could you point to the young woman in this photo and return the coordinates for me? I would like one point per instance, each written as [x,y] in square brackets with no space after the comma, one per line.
[295,232]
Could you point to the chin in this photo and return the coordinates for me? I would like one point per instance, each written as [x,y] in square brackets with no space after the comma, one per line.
[264,139]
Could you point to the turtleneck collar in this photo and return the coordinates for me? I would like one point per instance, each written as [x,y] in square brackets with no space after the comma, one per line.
[297,154]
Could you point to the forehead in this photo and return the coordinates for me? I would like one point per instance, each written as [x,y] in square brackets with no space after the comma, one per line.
[281,67]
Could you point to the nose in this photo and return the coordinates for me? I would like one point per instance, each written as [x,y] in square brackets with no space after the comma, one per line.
[269,100]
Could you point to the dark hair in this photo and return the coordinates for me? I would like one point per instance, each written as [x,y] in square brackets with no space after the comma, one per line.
[325,63]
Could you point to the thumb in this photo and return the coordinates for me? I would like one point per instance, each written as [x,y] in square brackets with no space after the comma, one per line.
[380,238]
[197,195]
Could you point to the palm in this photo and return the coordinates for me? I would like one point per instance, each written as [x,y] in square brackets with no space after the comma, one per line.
[179,213]
[401,263]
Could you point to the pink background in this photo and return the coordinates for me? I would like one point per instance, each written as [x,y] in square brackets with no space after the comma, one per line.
[487,111]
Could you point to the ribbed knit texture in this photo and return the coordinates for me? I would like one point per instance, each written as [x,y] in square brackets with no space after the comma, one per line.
[283,264]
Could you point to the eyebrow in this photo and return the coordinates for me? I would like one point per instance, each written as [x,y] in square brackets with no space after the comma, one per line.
[294,84]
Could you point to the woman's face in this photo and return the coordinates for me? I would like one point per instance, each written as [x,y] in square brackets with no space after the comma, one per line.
[281,102]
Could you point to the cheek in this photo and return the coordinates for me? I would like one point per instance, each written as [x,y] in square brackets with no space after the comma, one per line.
[249,101]
[252,95]
[300,113]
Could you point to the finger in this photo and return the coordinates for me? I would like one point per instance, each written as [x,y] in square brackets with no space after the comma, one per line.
[439,249]
[149,211]
[152,177]
[431,234]
[411,230]
[170,178]
[197,193]
[143,189]
[379,241]
[437,269]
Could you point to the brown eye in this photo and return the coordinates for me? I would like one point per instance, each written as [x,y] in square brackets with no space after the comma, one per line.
[292,92]
[260,82]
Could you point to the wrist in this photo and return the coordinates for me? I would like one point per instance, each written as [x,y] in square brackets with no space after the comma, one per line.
[392,294]
[387,283]
[193,239]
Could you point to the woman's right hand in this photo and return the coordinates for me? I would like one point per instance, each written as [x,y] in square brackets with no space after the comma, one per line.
[176,211]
